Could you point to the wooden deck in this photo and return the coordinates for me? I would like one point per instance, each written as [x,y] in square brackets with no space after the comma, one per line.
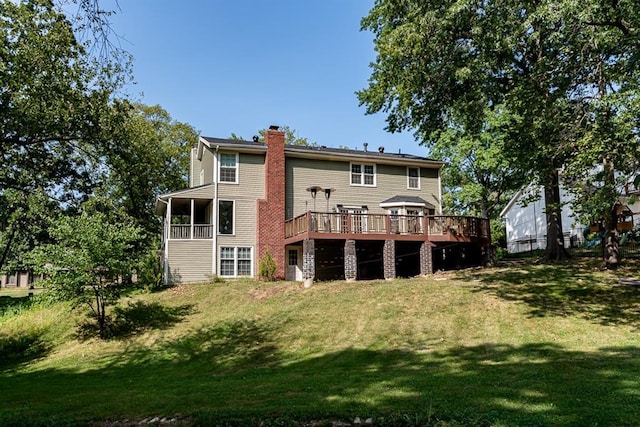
[434,228]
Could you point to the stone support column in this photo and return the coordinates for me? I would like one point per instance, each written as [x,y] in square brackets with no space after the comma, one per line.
[389,259]
[426,259]
[308,261]
[350,261]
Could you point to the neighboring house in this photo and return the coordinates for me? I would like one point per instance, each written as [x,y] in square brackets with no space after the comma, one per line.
[322,213]
[17,280]
[526,221]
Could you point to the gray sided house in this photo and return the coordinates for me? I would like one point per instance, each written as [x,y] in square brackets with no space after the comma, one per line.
[322,213]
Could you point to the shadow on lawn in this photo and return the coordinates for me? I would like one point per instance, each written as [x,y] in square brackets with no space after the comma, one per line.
[136,318]
[16,350]
[233,374]
[141,316]
[576,288]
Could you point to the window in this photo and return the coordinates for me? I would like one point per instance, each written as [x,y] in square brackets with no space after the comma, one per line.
[202,177]
[225,217]
[244,262]
[293,257]
[235,261]
[363,174]
[227,261]
[413,178]
[228,170]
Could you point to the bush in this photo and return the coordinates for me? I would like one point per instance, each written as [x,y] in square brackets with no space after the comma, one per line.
[267,267]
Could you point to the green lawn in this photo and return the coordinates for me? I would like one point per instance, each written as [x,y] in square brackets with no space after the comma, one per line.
[513,345]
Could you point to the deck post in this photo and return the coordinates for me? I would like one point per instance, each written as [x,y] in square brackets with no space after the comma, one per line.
[389,259]
[426,259]
[350,261]
[308,261]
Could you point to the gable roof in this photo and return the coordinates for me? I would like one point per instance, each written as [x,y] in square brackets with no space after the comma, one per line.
[320,152]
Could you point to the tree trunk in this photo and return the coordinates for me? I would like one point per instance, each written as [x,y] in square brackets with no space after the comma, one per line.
[610,238]
[555,238]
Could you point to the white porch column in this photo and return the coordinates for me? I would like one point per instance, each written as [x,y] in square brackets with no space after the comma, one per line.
[168,228]
[167,231]
[193,203]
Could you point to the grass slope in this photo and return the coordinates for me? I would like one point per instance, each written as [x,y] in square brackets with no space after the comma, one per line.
[517,345]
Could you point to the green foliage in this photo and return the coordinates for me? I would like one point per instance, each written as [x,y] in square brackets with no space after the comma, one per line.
[149,271]
[564,71]
[88,262]
[267,267]
[59,117]
[57,112]
[480,175]
[214,278]
[150,157]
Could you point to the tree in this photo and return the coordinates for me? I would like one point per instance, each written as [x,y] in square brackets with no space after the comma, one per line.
[87,261]
[24,219]
[58,116]
[447,63]
[55,103]
[151,157]
[479,177]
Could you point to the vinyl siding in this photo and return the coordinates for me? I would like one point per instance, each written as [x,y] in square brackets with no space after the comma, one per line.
[250,187]
[244,224]
[190,260]
[197,193]
[194,168]
[391,180]
[207,165]
[250,179]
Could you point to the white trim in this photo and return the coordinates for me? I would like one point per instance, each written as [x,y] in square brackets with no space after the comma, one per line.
[236,259]
[440,191]
[192,217]
[409,187]
[214,216]
[237,168]
[403,204]
[233,218]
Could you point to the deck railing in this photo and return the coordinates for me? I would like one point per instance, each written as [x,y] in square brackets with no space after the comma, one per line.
[183,231]
[357,223]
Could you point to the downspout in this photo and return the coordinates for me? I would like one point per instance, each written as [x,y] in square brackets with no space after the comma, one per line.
[214,220]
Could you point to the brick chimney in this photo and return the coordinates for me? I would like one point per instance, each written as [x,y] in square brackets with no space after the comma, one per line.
[271,209]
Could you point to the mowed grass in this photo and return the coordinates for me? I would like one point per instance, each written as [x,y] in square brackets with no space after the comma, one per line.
[512,345]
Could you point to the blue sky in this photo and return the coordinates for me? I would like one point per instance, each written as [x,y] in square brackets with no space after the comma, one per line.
[239,66]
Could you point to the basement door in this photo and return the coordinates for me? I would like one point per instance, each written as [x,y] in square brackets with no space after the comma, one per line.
[294,264]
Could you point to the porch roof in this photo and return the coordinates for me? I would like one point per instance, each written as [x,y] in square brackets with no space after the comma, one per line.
[187,193]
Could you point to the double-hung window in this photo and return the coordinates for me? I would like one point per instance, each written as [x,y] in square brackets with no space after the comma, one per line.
[413,178]
[235,261]
[228,167]
[363,174]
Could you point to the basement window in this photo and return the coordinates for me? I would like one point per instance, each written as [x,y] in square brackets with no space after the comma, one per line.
[236,261]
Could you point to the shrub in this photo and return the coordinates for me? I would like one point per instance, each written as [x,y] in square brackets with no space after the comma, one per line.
[267,267]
